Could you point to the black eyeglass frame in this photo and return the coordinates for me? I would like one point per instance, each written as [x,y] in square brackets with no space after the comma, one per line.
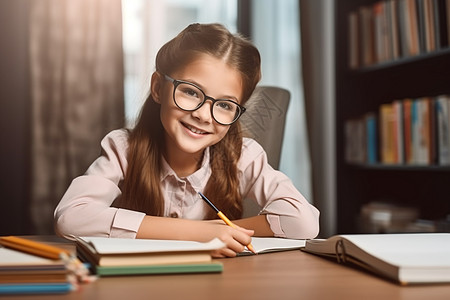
[176,83]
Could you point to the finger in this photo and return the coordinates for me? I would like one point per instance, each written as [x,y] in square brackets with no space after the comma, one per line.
[249,232]
[243,238]
[238,245]
[227,252]
[217,254]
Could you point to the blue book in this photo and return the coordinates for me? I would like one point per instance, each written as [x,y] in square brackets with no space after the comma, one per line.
[371,138]
[23,273]
[35,288]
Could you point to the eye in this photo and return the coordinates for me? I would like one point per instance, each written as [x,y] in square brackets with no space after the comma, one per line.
[225,105]
[189,91]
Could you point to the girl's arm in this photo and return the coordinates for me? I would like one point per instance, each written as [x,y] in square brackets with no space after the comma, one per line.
[287,212]
[194,230]
[258,223]
[86,209]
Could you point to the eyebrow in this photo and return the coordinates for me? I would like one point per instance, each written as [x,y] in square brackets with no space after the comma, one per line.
[226,97]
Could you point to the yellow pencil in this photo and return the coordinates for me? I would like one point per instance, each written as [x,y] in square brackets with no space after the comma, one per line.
[33,247]
[48,251]
[224,218]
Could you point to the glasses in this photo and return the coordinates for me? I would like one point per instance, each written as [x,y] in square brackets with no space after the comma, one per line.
[189,97]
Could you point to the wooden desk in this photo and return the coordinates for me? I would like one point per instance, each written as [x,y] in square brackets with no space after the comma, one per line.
[281,276]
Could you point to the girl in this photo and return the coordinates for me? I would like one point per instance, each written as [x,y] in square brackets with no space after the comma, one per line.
[187,140]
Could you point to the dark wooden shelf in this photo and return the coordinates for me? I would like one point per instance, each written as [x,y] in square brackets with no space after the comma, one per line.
[386,65]
[402,167]
[363,90]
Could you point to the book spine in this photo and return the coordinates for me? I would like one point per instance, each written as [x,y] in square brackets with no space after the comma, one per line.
[407,131]
[389,30]
[371,138]
[443,134]
[387,134]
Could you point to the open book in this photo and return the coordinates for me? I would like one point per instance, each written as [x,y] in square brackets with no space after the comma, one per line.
[269,244]
[406,258]
[116,256]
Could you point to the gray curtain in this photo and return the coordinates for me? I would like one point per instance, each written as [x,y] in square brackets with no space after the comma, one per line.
[76,63]
[317,38]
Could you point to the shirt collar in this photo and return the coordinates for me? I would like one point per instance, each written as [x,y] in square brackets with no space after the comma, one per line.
[198,179]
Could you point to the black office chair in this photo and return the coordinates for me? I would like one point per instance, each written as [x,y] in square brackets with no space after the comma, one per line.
[264,121]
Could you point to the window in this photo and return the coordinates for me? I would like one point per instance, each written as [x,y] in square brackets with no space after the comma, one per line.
[276,33]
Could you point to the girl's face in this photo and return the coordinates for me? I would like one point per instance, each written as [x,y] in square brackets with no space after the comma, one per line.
[190,132]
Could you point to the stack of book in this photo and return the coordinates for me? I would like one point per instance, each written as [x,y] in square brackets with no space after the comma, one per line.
[28,267]
[116,256]
[408,131]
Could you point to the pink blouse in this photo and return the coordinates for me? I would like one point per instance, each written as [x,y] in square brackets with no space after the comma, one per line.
[86,208]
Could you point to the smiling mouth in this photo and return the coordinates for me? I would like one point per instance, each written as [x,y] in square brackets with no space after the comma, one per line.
[194,130]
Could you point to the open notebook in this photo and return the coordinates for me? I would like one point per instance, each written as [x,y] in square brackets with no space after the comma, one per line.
[405,258]
[268,244]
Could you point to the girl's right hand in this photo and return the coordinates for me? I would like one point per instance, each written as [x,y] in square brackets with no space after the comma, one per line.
[235,239]
[166,228]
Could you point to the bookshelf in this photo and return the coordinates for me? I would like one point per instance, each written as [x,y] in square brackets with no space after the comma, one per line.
[363,89]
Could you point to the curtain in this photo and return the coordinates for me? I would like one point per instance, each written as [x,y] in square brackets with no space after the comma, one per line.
[76,65]
[276,33]
[317,38]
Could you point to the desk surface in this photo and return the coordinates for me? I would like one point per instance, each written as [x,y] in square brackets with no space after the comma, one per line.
[282,275]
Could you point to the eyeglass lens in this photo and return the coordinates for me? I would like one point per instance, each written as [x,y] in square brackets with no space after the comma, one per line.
[189,97]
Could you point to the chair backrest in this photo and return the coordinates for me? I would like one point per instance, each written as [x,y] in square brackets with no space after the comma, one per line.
[265,118]
[264,121]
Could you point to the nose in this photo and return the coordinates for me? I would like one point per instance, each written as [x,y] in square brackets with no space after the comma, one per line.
[203,113]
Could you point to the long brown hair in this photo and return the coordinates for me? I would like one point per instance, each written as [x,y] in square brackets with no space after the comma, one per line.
[141,186]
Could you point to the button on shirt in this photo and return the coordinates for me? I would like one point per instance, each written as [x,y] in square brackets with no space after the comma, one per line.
[181,197]
[86,207]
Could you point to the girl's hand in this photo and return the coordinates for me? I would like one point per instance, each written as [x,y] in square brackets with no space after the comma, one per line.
[235,239]
[165,228]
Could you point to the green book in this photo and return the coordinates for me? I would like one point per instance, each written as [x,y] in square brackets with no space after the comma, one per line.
[211,267]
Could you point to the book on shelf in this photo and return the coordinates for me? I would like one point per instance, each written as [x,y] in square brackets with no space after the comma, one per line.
[392,29]
[443,129]
[406,132]
[380,31]
[355,150]
[371,125]
[409,258]
[399,132]
[366,36]
[388,134]
[116,256]
[353,32]
[431,29]
[422,137]
[361,139]
[411,27]
[387,30]
[446,7]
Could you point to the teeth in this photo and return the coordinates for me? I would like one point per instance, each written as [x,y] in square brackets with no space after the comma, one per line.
[195,130]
